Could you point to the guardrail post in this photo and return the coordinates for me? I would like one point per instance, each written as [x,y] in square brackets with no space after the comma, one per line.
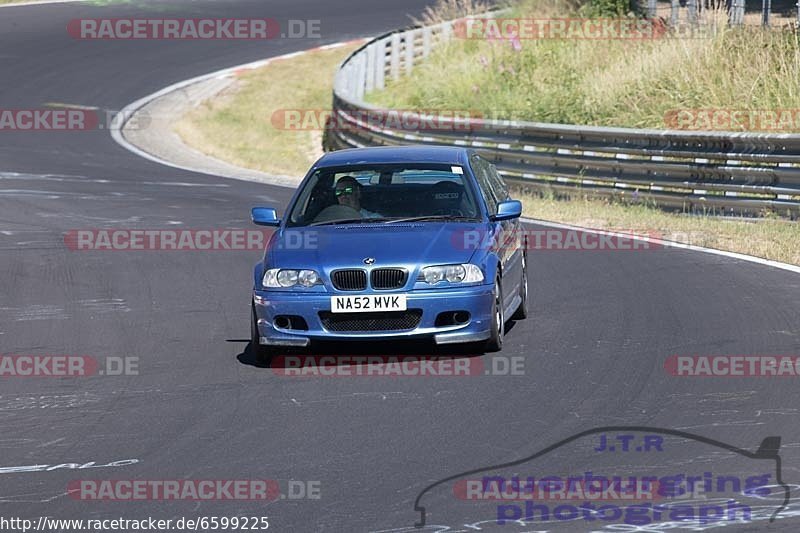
[349,81]
[380,64]
[395,57]
[651,9]
[410,36]
[691,6]
[427,35]
[370,81]
[736,16]
[673,16]
[766,8]
[447,31]
[360,76]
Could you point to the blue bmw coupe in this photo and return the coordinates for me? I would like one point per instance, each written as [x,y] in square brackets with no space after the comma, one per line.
[392,243]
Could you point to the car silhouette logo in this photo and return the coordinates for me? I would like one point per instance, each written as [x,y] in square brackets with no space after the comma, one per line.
[369,260]
[768,450]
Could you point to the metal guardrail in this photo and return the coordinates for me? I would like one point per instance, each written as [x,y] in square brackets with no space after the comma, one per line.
[717,172]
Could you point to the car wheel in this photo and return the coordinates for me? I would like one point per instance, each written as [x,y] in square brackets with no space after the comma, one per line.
[522,311]
[495,342]
[263,354]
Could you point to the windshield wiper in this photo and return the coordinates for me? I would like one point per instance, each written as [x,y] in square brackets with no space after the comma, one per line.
[349,221]
[430,217]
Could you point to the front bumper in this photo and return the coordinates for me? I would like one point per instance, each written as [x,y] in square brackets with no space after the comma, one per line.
[476,300]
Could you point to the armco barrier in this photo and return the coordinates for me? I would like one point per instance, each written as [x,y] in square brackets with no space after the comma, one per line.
[719,172]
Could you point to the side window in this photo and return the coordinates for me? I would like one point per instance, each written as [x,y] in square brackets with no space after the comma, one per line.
[313,191]
[482,173]
[497,183]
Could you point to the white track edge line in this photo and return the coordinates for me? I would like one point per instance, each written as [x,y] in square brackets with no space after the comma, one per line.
[42,3]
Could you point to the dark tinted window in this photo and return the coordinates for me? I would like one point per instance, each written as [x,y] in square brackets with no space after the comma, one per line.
[497,183]
[482,171]
[384,193]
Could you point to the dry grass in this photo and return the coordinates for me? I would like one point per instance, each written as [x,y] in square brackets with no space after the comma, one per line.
[628,83]
[775,239]
[236,126]
[444,10]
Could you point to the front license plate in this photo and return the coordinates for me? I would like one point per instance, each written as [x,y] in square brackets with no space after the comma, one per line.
[368,303]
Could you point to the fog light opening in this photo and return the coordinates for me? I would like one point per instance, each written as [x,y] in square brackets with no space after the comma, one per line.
[460,317]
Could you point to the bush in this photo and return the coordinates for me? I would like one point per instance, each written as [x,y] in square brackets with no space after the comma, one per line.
[608,8]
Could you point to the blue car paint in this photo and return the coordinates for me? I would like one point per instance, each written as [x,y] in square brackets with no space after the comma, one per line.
[411,245]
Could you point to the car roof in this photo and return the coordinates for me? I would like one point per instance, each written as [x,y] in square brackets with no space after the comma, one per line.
[454,155]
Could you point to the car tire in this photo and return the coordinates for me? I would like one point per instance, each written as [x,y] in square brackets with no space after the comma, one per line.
[522,311]
[263,354]
[495,341]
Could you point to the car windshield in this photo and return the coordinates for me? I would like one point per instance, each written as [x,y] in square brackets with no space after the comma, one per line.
[385,194]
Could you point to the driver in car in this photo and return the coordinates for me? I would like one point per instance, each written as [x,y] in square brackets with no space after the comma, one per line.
[348,193]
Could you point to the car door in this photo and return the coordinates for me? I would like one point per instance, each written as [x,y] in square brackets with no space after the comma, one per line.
[514,232]
[507,231]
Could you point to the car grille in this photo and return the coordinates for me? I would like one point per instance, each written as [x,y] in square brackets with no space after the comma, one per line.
[380,321]
[387,278]
[349,280]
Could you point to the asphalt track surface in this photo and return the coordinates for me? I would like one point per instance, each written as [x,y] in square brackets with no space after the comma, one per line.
[601,323]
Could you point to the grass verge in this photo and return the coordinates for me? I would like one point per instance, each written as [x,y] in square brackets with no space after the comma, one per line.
[770,238]
[612,82]
[237,125]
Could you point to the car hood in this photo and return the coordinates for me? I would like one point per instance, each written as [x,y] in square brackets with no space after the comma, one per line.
[347,245]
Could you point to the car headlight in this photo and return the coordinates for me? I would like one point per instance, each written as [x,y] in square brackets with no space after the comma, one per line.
[307,278]
[283,278]
[466,273]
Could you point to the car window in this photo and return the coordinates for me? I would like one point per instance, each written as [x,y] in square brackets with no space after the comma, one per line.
[498,185]
[313,188]
[385,192]
[481,169]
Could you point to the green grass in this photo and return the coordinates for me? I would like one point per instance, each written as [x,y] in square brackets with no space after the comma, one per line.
[628,83]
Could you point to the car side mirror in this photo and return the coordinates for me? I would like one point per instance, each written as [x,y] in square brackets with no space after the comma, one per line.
[508,210]
[265,216]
